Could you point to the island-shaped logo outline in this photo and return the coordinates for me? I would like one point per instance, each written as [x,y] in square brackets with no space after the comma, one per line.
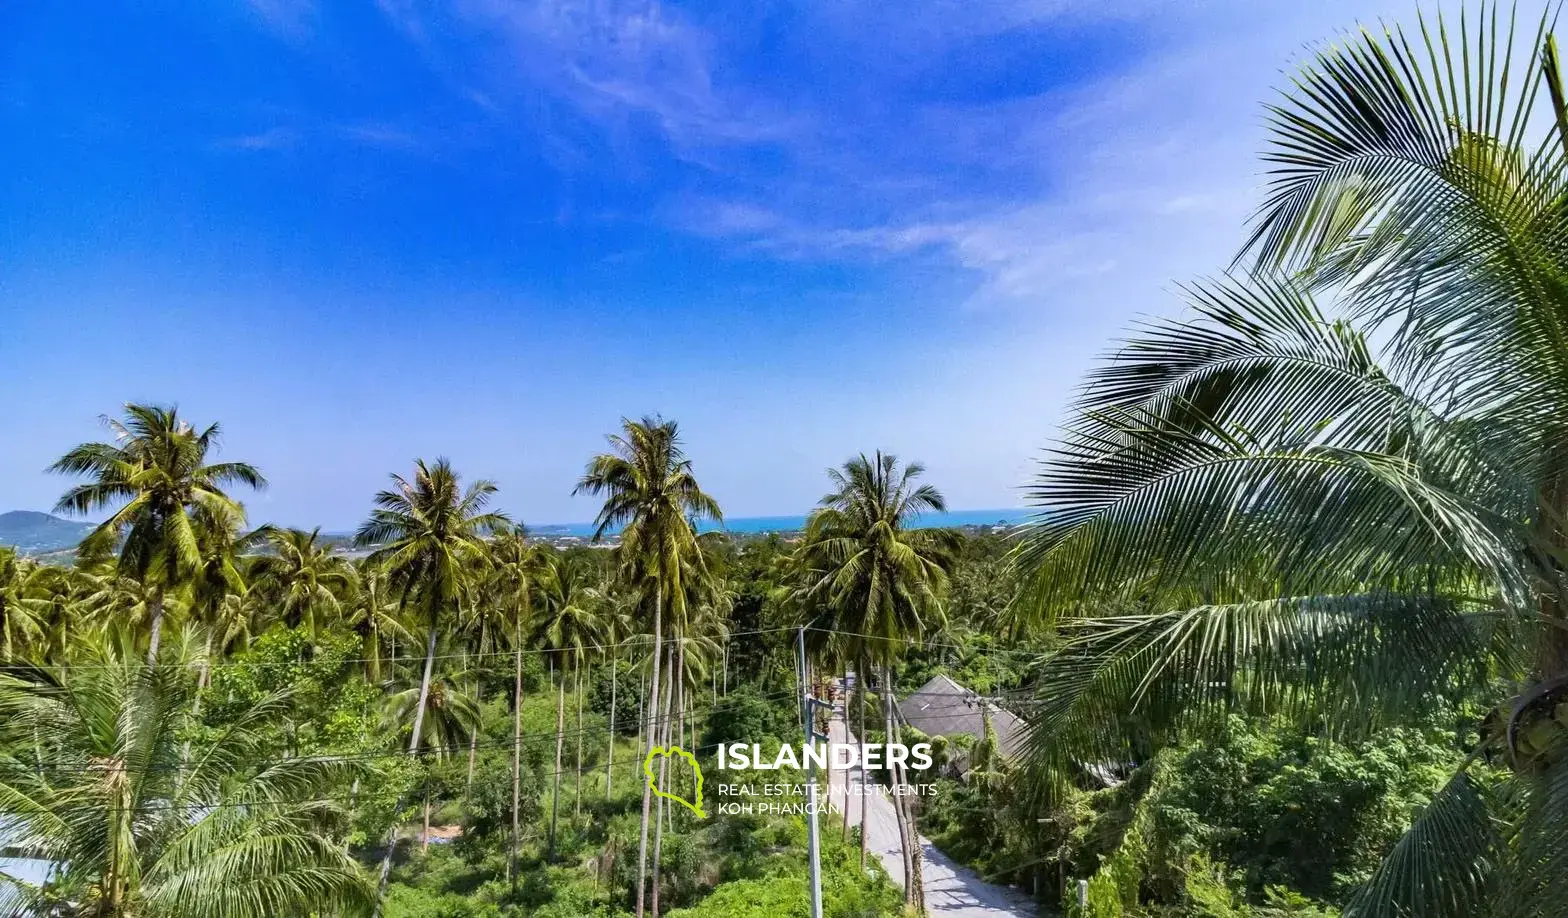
[653,783]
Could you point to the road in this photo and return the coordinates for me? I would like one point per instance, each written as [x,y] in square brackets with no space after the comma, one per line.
[952,891]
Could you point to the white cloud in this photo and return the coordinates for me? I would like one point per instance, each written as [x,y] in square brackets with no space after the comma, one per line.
[1143,179]
[1065,213]
[615,63]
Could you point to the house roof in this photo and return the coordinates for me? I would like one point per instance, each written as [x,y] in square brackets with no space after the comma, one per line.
[942,707]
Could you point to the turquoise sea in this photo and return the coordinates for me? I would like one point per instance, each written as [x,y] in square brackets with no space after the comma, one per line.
[764,524]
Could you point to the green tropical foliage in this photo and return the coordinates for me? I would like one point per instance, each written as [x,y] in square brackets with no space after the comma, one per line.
[94,779]
[1344,514]
[1289,638]
[651,494]
[870,587]
[163,493]
[301,578]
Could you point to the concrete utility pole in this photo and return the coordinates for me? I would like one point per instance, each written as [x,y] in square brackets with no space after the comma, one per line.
[808,707]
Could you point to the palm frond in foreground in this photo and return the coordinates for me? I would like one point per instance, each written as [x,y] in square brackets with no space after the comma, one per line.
[1339,516]
[101,783]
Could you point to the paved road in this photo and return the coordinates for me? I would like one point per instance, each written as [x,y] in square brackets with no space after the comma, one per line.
[952,891]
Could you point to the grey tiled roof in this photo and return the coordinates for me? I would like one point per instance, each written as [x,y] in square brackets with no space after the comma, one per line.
[942,707]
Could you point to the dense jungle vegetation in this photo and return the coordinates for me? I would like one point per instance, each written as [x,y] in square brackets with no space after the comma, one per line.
[1289,638]
[467,708]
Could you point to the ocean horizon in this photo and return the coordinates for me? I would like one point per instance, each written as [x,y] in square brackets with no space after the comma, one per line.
[794,523]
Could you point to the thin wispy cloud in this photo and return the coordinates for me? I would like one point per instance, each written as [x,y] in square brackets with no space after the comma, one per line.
[376,134]
[1024,190]
[292,19]
[276,138]
[1113,189]
[721,211]
[621,65]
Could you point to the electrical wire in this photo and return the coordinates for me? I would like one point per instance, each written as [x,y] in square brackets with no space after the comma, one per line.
[525,741]
[639,641]
[923,644]
[350,799]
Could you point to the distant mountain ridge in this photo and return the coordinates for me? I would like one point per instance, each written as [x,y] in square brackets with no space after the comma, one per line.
[31,532]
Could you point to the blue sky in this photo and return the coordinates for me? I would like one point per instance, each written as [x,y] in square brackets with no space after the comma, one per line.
[359,232]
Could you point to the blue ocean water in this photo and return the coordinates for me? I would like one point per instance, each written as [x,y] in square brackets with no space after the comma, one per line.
[765,524]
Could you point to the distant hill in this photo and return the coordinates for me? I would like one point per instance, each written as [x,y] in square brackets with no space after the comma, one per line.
[36,533]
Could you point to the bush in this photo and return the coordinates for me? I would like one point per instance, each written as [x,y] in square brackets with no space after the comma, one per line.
[745,716]
[1249,799]
[410,902]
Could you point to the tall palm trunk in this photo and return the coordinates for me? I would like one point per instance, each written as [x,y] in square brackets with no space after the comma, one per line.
[678,696]
[413,747]
[201,691]
[860,689]
[424,839]
[372,636]
[517,748]
[663,731]
[647,788]
[898,811]
[560,735]
[353,800]
[121,842]
[848,700]
[155,607]
[642,705]
[206,667]
[609,768]
[473,749]
[577,792]
[914,855]
[917,871]
[372,652]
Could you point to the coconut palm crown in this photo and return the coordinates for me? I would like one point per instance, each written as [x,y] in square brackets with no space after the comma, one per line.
[861,571]
[156,478]
[1343,514]
[103,783]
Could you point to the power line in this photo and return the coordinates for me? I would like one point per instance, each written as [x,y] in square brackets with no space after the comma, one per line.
[427,752]
[640,641]
[525,740]
[921,644]
[354,798]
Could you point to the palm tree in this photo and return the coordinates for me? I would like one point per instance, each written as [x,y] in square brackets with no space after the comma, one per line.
[113,602]
[651,494]
[619,624]
[515,565]
[571,626]
[450,720]
[157,478]
[428,533]
[133,829]
[37,608]
[1341,514]
[373,616]
[302,578]
[485,627]
[217,593]
[878,584]
[218,588]
[20,623]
